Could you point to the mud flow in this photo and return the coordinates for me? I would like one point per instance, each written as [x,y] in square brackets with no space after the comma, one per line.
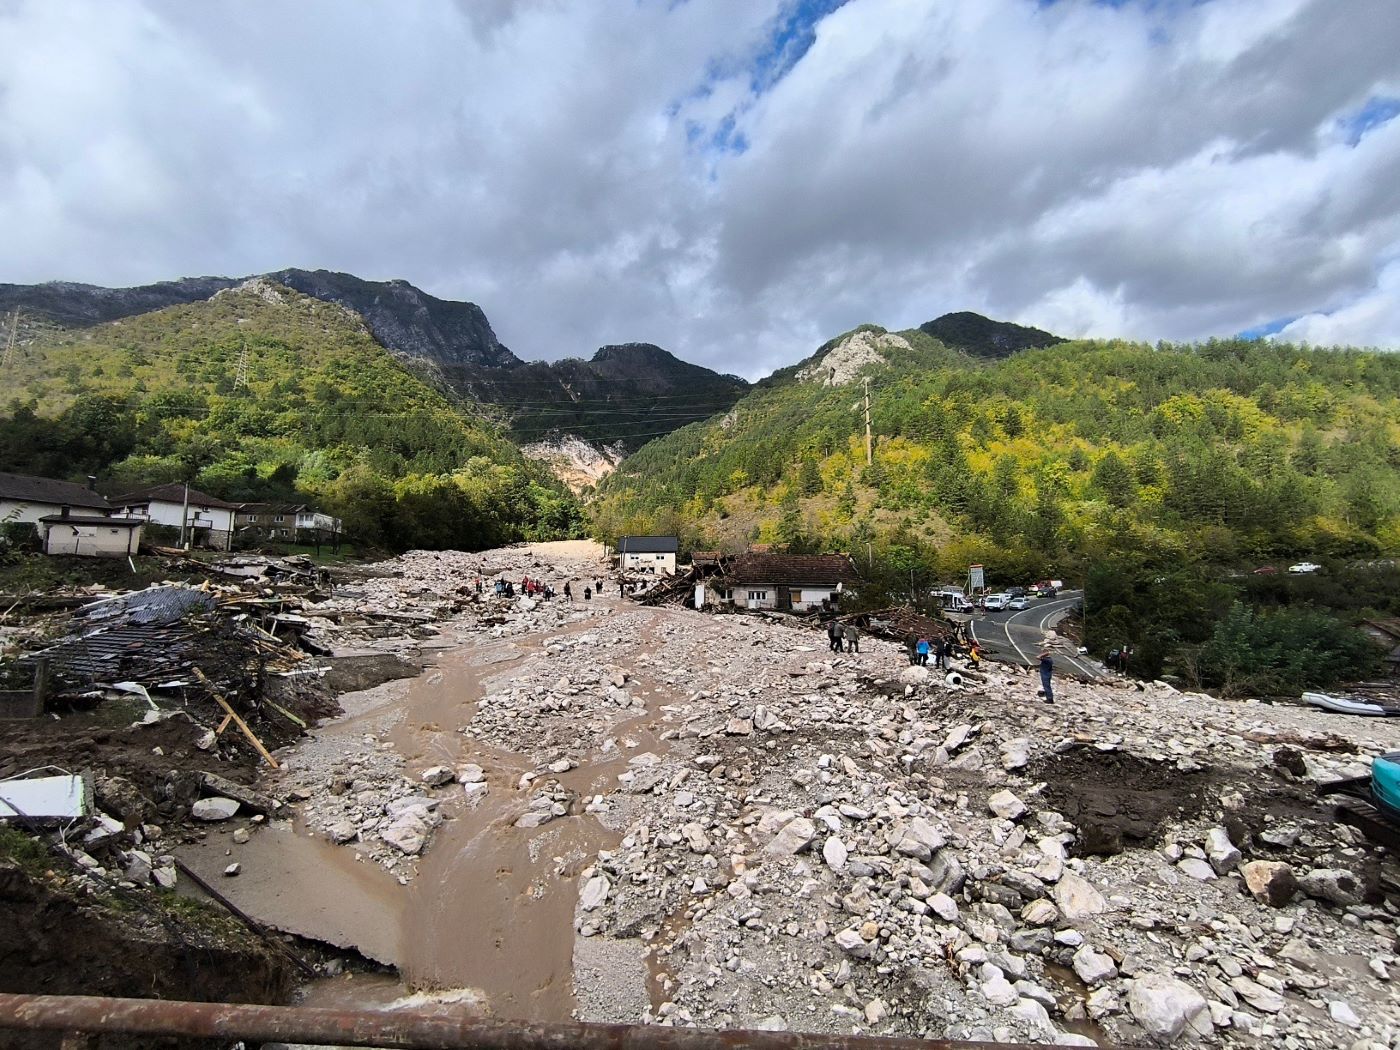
[1119,800]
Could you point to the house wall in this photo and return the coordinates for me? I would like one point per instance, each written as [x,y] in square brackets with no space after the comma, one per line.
[663,563]
[32,512]
[806,598]
[213,525]
[91,540]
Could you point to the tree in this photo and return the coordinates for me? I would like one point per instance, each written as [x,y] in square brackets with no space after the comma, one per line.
[809,477]
[1114,481]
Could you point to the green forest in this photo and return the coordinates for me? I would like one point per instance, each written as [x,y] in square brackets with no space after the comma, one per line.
[1160,476]
[262,393]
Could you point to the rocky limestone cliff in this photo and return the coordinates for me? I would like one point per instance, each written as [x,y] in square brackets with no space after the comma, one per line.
[843,363]
[579,464]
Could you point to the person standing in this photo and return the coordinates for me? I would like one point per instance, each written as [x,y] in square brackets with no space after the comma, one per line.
[587,593]
[852,635]
[833,636]
[922,648]
[568,591]
[911,646]
[940,654]
[1047,670]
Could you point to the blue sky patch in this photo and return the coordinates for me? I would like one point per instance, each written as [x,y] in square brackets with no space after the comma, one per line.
[1378,110]
[1263,331]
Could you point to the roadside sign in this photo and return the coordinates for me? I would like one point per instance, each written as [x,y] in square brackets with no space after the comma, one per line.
[976,579]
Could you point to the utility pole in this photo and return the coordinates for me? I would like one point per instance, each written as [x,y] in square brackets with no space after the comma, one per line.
[184,515]
[10,346]
[869,441]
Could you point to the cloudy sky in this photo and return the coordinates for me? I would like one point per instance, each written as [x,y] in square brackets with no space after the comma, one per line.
[736,180]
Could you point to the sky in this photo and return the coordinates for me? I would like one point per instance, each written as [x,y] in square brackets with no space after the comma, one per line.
[734,180]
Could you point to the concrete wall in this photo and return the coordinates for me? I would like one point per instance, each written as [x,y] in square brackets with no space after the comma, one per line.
[99,541]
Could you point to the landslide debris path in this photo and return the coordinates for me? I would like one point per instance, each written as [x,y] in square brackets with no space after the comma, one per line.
[634,814]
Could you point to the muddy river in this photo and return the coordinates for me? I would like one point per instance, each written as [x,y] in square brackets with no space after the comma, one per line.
[491,909]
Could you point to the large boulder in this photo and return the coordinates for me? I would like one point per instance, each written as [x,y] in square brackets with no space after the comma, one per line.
[1271,882]
[796,835]
[1077,898]
[1166,1007]
[212,810]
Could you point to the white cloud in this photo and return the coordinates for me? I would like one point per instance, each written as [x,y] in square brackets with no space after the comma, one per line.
[594,173]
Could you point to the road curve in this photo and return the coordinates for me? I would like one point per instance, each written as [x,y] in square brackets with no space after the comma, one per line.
[1016,637]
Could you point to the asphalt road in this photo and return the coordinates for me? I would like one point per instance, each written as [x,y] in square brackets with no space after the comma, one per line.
[1016,636]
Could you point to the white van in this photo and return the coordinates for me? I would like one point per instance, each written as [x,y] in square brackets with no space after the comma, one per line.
[996,602]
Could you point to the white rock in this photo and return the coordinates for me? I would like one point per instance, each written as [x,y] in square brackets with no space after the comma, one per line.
[1166,1007]
[1077,898]
[1343,1014]
[998,990]
[1006,805]
[695,837]
[342,832]
[407,834]
[1265,1000]
[1196,869]
[835,853]
[233,870]
[594,893]
[795,836]
[876,1011]
[475,792]
[471,773]
[215,809]
[241,836]
[1094,967]
[943,906]
[1015,754]
[1039,913]
[1224,857]
[436,776]
[851,942]
[914,676]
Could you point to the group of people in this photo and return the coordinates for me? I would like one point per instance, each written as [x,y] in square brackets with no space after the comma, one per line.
[919,649]
[844,637]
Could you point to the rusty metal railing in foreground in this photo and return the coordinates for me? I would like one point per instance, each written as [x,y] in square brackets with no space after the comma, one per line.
[433,1028]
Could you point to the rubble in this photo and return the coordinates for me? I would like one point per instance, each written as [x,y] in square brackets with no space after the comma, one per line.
[832,842]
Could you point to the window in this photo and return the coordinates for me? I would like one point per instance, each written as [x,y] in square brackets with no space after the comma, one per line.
[252,517]
[280,518]
[758,596]
[661,557]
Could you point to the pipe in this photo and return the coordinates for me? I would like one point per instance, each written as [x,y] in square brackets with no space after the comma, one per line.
[421,1029]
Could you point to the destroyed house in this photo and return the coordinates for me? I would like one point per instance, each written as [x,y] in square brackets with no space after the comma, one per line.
[789,582]
[1386,633]
[653,554]
[208,518]
[29,499]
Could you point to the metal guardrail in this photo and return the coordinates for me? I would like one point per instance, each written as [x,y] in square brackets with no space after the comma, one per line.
[79,1016]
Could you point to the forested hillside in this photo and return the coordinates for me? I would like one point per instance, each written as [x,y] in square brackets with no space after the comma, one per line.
[1141,461]
[323,413]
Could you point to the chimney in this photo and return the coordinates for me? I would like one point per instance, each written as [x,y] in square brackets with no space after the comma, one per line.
[63,512]
[92,482]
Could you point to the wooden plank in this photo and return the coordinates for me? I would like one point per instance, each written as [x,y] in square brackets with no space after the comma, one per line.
[242,725]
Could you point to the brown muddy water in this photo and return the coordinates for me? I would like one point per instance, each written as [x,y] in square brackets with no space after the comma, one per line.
[492,906]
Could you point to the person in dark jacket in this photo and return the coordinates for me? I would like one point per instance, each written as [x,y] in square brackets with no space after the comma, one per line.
[1047,669]
[833,636]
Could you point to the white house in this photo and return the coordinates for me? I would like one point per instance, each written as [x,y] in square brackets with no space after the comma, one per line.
[795,582]
[93,535]
[25,498]
[653,554]
[210,518]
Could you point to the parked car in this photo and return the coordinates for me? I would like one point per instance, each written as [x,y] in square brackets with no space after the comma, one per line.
[1265,570]
[1304,566]
[1016,592]
[995,602]
[1017,604]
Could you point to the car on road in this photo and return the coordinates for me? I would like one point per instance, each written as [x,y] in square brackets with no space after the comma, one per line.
[1304,567]
[995,602]
[1017,604]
